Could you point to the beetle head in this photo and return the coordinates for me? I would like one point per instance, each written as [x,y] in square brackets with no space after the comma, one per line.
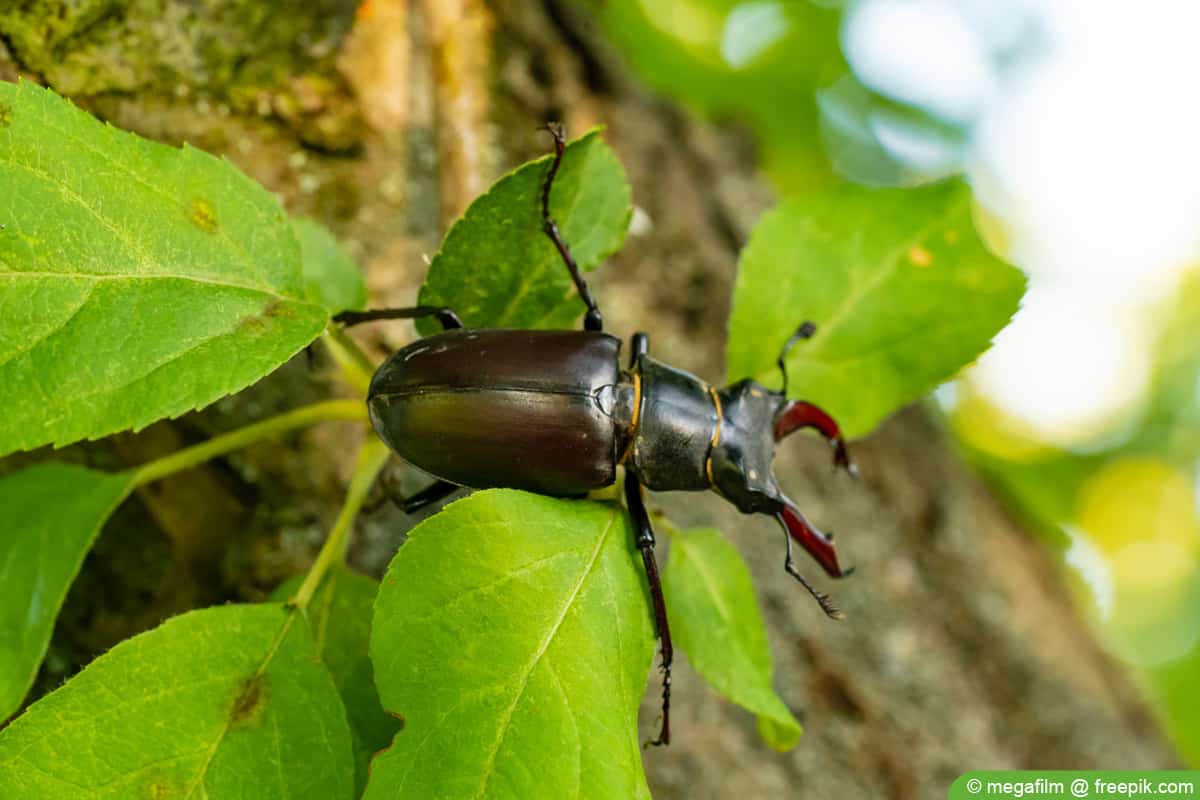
[754,419]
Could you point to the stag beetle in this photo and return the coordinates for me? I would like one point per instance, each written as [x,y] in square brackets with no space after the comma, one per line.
[552,412]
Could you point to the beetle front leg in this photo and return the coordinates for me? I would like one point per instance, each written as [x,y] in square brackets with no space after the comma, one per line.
[645,543]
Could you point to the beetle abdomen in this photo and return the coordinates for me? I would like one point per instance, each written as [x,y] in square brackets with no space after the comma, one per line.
[518,409]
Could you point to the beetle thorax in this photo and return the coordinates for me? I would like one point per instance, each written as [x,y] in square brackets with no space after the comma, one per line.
[675,428]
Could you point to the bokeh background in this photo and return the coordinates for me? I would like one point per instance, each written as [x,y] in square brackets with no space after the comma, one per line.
[1074,123]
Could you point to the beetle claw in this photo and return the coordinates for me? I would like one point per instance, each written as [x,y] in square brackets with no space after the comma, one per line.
[817,544]
[841,457]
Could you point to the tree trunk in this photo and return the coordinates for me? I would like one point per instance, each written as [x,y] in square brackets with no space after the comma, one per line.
[962,649]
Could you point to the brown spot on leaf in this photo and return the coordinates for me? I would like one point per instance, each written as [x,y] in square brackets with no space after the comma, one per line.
[253,323]
[920,257]
[250,702]
[156,790]
[5,115]
[203,216]
[257,323]
[279,310]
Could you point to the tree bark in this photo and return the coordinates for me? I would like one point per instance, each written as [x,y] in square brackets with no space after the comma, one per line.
[962,649]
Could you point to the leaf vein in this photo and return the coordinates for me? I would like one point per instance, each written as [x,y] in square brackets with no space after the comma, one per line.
[506,720]
[212,751]
[122,167]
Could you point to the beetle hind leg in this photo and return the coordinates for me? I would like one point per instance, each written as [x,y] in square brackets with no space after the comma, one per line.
[645,543]
[446,316]
[434,492]
[592,320]
[389,491]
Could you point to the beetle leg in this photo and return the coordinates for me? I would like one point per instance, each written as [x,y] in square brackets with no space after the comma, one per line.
[438,490]
[389,491]
[645,543]
[592,321]
[638,346]
[445,316]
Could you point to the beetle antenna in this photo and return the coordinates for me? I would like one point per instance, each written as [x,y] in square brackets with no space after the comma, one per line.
[805,331]
[823,600]
[826,604]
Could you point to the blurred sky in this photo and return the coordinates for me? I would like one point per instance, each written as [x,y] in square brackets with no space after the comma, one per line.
[1084,139]
[1081,139]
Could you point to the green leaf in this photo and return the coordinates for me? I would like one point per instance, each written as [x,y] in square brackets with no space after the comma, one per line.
[331,277]
[513,634]
[731,64]
[340,616]
[498,269]
[50,515]
[901,288]
[715,620]
[137,281]
[226,702]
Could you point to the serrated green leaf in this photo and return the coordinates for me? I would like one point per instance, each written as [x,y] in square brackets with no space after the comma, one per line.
[137,281]
[331,277]
[50,515]
[715,620]
[226,702]
[496,267]
[901,288]
[340,616]
[512,632]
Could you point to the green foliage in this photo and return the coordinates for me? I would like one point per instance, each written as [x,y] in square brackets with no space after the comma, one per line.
[137,281]
[513,634]
[340,617]
[50,515]
[715,620]
[228,702]
[901,288]
[331,277]
[708,66]
[1055,490]
[497,268]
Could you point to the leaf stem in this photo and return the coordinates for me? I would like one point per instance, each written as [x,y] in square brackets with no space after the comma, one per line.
[371,458]
[356,368]
[352,410]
